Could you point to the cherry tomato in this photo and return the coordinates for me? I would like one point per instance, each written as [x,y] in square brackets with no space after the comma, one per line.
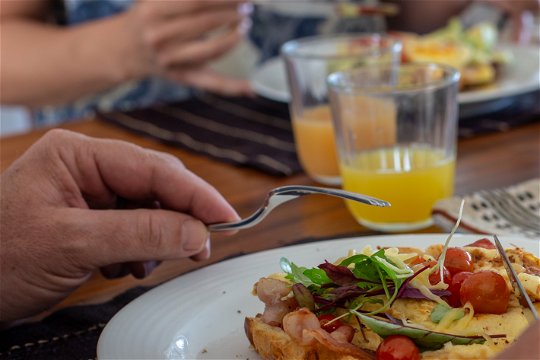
[486,291]
[458,260]
[454,287]
[324,319]
[483,243]
[435,277]
[397,347]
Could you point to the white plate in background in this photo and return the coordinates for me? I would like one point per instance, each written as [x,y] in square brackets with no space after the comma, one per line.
[519,77]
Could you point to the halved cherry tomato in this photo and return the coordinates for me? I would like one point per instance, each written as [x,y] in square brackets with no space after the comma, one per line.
[454,299]
[482,243]
[435,277]
[458,260]
[486,291]
[397,347]
[325,319]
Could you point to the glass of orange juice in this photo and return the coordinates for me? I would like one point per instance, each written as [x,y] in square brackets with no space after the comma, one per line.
[396,131]
[308,62]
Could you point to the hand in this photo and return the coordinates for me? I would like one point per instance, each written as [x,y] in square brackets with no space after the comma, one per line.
[520,13]
[526,346]
[59,222]
[174,39]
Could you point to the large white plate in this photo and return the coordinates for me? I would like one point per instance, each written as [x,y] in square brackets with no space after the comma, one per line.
[201,315]
[521,76]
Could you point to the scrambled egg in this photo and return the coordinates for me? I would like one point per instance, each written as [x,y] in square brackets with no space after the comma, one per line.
[511,323]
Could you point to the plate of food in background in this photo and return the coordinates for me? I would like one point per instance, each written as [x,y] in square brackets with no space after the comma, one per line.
[490,72]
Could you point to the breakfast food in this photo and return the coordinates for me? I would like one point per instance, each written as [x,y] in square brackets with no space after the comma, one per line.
[472,51]
[437,303]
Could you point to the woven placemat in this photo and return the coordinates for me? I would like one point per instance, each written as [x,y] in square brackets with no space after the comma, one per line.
[252,132]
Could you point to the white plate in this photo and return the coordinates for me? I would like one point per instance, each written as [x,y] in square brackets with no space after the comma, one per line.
[521,76]
[201,315]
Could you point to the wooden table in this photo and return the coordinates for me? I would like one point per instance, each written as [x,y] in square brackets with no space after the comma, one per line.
[487,161]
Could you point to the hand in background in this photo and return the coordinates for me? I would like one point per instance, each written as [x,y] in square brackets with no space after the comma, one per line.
[521,16]
[59,219]
[174,39]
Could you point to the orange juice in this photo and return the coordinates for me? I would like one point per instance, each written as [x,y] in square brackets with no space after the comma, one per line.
[411,179]
[314,134]
[315,144]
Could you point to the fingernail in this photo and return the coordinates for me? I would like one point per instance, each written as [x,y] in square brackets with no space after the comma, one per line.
[206,251]
[244,26]
[245,9]
[194,236]
[204,254]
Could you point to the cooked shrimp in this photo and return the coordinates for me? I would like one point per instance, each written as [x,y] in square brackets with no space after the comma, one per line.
[274,293]
[297,323]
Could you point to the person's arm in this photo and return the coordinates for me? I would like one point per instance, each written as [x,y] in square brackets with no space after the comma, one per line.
[45,64]
[61,219]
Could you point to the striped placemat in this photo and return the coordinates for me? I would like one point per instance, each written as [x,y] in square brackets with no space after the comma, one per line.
[254,132]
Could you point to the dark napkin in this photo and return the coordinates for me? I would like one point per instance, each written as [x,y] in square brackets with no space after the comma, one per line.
[256,132]
[70,333]
[253,132]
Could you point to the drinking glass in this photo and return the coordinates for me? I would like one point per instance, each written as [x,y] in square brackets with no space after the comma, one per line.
[396,132]
[308,62]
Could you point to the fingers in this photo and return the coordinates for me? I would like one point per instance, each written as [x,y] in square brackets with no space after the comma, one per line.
[138,269]
[127,236]
[135,173]
[181,33]
[201,51]
[173,8]
[192,27]
[208,79]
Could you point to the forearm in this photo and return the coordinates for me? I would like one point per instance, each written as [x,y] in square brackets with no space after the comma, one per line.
[44,64]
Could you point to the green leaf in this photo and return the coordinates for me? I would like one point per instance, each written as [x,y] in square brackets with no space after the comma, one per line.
[426,339]
[317,276]
[441,310]
[302,275]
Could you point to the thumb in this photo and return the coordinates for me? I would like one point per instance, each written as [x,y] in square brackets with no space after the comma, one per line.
[116,236]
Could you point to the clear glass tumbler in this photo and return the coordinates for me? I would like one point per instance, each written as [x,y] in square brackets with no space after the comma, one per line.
[396,132]
[308,62]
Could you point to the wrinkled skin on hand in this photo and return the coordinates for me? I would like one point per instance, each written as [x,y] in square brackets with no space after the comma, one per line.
[60,219]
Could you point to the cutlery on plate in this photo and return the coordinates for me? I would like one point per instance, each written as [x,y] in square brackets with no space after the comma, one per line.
[283,194]
[524,298]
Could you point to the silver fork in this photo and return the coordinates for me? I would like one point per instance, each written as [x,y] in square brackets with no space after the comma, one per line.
[509,208]
[283,194]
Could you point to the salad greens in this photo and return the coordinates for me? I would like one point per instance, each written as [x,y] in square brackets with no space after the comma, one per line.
[352,283]
[426,339]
